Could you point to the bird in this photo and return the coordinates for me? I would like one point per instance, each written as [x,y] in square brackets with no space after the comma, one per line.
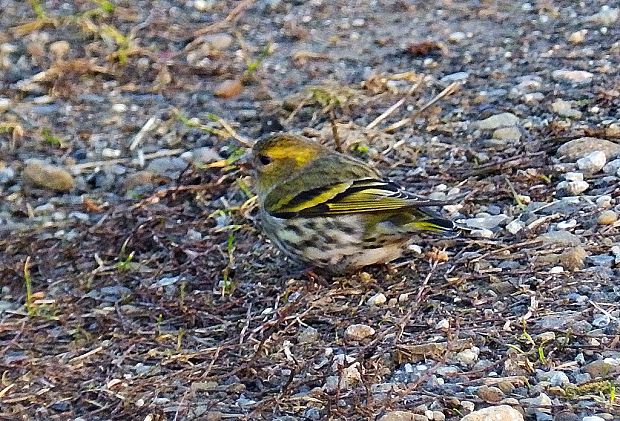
[332,212]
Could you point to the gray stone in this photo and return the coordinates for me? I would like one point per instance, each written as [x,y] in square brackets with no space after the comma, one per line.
[606,17]
[612,167]
[576,77]
[494,413]
[485,222]
[507,134]
[592,162]
[555,378]
[578,148]
[560,238]
[601,260]
[167,166]
[358,332]
[308,335]
[564,109]
[7,175]
[541,403]
[497,121]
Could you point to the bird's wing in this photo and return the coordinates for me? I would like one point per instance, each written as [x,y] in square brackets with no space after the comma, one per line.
[365,195]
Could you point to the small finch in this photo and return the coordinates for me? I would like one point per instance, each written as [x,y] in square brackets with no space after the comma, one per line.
[331,211]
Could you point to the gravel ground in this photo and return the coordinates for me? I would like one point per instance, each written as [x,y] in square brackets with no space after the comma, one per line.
[136,285]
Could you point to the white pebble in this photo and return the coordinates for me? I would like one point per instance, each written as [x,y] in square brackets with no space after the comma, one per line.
[377,299]
[515,226]
[567,224]
[119,108]
[592,162]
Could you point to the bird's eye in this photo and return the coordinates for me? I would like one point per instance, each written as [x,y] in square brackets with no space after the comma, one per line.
[264,160]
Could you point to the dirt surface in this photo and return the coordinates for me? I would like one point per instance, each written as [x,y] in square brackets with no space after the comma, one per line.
[136,283]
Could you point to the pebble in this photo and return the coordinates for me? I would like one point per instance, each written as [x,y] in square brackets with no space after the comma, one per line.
[457,37]
[564,109]
[494,413]
[607,16]
[7,175]
[358,332]
[377,299]
[572,188]
[576,77]
[469,356]
[555,378]
[490,394]
[592,162]
[218,41]
[574,258]
[515,226]
[228,89]
[308,335]
[560,238]
[497,121]
[119,108]
[603,260]
[486,222]
[139,179]
[5,104]
[508,134]
[593,418]
[399,416]
[47,176]
[578,148]
[577,37]
[541,403]
[202,155]
[607,217]
[167,166]
[612,167]
[203,5]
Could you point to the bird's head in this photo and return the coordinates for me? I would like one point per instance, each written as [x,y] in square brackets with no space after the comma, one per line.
[278,157]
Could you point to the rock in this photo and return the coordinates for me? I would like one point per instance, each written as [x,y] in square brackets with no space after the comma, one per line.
[606,17]
[468,357]
[612,167]
[602,260]
[592,162]
[576,77]
[167,166]
[555,378]
[203,5]
[59,49]
[139,179]
[607,217]
[218,41]
[202,155]
[564,109]
[47,176]
[497,121]
[308,335]
[577,37]
[398,416]
[560,238]
[566,416]
[485,222]
[377,299]
[358,332]
[7,174]
[490,394]
[573,258]
[455,77]
[5,104]
[541,403]
[515,226]
[507,134]
[228,89]
[572,188]
[494,413]
[578,148]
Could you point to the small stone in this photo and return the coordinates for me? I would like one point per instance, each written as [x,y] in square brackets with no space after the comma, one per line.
[358,332]
[612,167]
[515,226]
[377,299]
[560,238]
[308,335]
[59,49]
[456,37]
[490,394]
[577,37]
[576,77]
[555,378]
[508,134]
[468,357]
[49,177]
[564,109]
[592,162]
[604,201]
[481,233]
[7,174]
[566,416]
[593,418]
[398,416]
[602,260]
[228,89]
[573,258]
[494,413]
[119,108]
[600,368]
[607,16]
[573,188]
[497,121]
[541,403]
[203,155]
[203,5]
[607,217]
[139,179]
[167,166]
[573,176]
[218,41]
[5,104]
[358,23]
[485,222]
[578,148]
